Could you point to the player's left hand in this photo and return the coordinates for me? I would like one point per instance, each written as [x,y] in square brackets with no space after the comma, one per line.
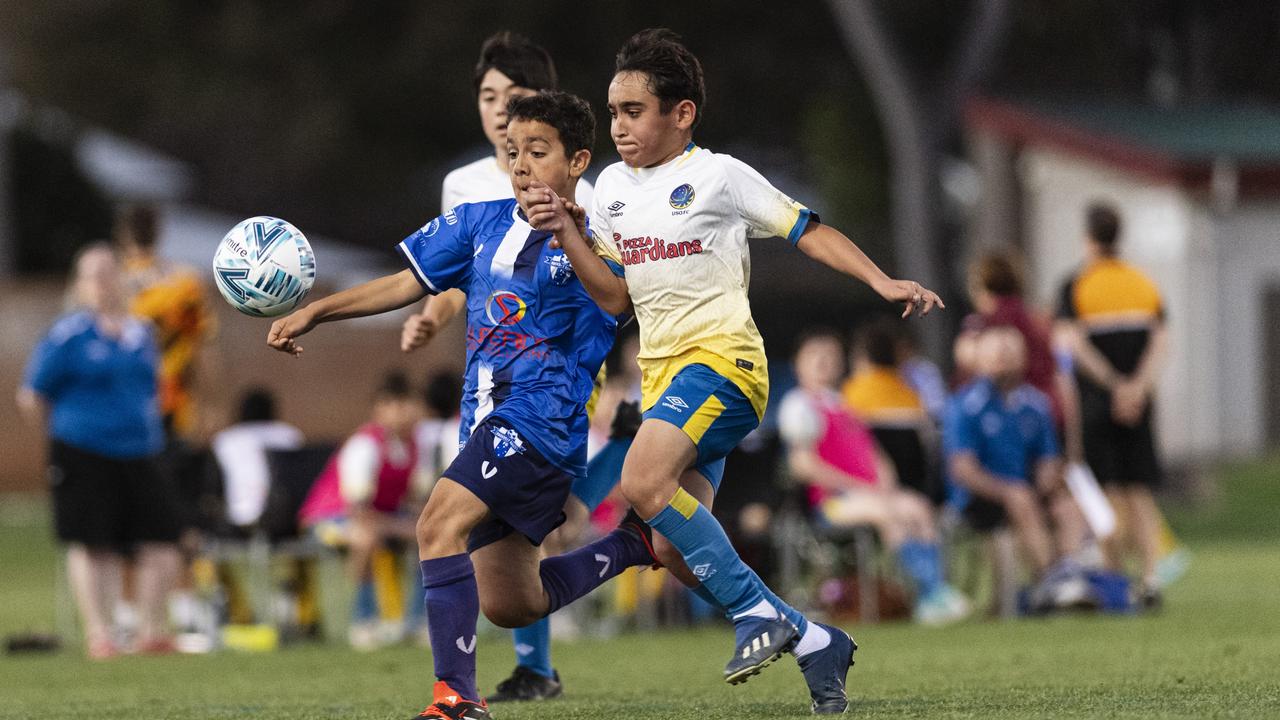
[915,295]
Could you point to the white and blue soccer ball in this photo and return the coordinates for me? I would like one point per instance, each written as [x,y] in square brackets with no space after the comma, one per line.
[264,267]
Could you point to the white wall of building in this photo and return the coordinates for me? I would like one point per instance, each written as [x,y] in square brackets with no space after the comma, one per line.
[1250,263]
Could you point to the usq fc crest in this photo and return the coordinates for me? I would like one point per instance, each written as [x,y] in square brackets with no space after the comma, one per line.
[682,197]
[561,269]
[506,442]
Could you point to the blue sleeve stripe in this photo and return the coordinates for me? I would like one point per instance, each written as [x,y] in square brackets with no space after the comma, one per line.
[801,223]
[615,268]
[412,262]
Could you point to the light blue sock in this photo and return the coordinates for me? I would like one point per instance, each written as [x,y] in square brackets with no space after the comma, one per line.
[923,563]
[533,647]
[705,596]
[687,525]
[365,605]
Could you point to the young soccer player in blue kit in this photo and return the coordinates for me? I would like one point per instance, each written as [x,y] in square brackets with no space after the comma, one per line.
[510,65]
[669,231]
[535,341]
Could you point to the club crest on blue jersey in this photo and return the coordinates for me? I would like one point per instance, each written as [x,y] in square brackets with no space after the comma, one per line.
[682,197]
[561,269]
[506,442]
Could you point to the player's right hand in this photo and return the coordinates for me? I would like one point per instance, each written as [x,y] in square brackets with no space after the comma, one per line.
[285,331]
[418,330]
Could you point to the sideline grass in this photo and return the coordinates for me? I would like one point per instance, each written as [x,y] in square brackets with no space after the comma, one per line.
[1213,653]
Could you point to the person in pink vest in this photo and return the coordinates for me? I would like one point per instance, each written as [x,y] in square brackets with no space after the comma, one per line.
[852,482]
[356,502]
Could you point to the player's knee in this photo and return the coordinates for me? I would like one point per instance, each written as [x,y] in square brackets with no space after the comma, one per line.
[647,493]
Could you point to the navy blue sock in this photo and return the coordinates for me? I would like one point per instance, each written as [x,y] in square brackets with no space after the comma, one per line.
[453,605]
[533,647]
[567,577]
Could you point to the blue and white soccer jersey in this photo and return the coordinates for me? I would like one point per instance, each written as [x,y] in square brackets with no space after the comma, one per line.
[678,234]
[535,341]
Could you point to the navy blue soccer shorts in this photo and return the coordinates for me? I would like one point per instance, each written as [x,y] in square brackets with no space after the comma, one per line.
[524,491]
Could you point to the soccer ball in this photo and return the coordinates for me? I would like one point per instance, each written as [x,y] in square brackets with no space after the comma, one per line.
[264,267]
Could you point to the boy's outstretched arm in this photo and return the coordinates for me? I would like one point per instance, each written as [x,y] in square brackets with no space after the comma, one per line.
[376,296]
[607,289]
[833,249]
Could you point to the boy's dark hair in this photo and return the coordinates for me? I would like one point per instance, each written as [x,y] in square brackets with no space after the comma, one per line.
[1103,226]
[139,223]
[258,405]
[879,341]
[998,273]
[394,386]
[569,114]
[817,332]
[443,394]
[516,56]
[674,73]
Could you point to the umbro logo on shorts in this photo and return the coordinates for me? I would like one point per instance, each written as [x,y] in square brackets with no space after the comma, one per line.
[675,403]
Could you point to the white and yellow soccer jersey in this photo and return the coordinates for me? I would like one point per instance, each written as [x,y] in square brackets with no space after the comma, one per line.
[678,234]
[483,180]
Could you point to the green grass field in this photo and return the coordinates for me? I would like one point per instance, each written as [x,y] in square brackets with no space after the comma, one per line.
[1214,652]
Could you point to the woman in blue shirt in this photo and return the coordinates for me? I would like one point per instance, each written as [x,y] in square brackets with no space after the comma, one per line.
[92,382]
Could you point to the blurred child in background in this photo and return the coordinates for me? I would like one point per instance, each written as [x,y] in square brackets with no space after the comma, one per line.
[356,504]
[852,482]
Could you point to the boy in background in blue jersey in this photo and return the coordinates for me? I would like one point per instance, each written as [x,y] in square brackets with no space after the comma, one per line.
[535,341]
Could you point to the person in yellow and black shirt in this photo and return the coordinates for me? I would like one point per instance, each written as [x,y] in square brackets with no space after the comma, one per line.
[1115,316]
[879,396]
[172,297]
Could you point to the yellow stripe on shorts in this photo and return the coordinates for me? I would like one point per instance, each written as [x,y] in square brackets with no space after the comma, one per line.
[702,418]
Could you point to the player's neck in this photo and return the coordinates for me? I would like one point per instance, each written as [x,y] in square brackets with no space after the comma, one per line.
[675,151]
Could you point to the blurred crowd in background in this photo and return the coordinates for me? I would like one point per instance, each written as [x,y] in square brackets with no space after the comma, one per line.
[1014,477]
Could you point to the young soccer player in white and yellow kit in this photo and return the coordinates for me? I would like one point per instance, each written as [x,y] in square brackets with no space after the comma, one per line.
[669,232]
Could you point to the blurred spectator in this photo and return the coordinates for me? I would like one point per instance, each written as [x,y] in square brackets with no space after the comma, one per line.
[356,504]
[1113,316]
[996,289]
[1002,452]
[93,379]
[852,483]
[241,453]
[172,297]
[437,433]
[922,375]
[879,396]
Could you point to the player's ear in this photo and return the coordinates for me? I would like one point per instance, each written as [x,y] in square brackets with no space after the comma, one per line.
[686,112]
[579,162]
